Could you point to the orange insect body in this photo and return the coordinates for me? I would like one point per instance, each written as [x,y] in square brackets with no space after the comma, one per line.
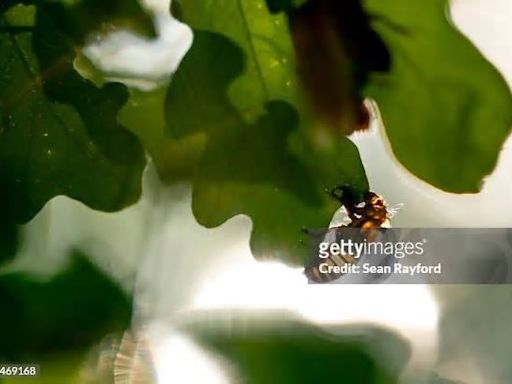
[370,215]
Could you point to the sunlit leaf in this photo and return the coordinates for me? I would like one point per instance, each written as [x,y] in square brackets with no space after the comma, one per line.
[262,157]
[254,66]
[446,110]
[175,158]
[280,190]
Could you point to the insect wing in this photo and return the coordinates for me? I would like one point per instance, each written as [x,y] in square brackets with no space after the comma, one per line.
[341,218]
[393,211]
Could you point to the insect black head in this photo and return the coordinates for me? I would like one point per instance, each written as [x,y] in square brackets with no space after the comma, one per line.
[344,194]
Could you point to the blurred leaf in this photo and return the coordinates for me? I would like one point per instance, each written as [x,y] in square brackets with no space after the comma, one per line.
[262,157]
[8,240]
[284,5]
[79,18]
[175,159]
[436,379]
[474,330]
[336,49]
[284,350]
[68,313]
[59,133]
[446,109]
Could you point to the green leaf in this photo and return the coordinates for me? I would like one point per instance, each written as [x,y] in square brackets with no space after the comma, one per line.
[58,132]
[262,156]
[446,109]
[8,240]
[262,71]
[284,350]
[176,159]
[284,5]
[66,314]
[80,18]
[270,173]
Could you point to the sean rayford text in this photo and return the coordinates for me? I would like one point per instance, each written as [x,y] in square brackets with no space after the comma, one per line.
[396,268]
